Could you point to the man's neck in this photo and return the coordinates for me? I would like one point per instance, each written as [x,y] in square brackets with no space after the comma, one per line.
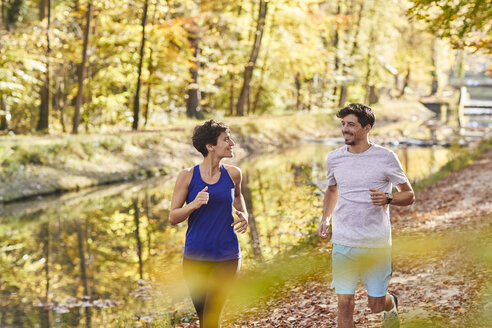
[359,148]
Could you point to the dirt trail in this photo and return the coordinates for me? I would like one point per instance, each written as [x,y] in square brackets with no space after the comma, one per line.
[455,200]
[437,288]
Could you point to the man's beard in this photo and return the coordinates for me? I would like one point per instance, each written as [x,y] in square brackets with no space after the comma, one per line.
[350,143]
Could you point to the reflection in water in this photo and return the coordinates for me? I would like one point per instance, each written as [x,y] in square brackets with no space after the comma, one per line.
[46,236]
[81,238]
[419,162]
[136,215]
[108,256]
[253,228]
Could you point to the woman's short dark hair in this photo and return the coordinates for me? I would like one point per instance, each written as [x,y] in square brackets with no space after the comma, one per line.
[364,113]
[207,134]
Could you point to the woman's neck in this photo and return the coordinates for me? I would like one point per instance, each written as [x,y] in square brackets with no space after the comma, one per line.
[210,166]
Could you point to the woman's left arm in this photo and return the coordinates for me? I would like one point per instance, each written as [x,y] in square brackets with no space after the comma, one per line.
[241,224]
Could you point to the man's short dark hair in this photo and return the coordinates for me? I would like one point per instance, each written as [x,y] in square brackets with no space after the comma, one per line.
[207,134]
[364,113]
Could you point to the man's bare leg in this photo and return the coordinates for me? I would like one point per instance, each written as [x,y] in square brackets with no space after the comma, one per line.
[378,304]
[346,304]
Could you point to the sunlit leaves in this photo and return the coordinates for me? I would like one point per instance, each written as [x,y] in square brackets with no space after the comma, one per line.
[297,57]
[462,21]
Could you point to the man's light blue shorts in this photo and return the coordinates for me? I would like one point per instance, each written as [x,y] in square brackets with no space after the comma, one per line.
[371,265]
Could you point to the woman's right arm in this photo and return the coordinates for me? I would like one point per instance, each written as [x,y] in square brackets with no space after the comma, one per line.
[178,212]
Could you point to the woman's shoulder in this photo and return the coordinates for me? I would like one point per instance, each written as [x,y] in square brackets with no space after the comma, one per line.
[185,175]
[234,172]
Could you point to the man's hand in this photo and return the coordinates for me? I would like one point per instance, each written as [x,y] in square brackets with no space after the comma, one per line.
[324,230]
[241,225]
[201,198]
[378,197]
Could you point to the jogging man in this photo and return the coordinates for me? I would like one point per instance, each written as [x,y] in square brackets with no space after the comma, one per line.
[360,177]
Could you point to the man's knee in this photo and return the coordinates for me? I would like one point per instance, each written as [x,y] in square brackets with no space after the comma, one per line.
[376,304]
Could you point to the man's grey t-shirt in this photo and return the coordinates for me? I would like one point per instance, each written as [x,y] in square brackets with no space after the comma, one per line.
[357,222]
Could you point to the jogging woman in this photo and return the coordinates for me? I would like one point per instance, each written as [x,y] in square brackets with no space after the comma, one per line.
[210,190]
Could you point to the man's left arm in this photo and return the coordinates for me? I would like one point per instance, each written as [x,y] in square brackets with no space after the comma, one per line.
[404,197]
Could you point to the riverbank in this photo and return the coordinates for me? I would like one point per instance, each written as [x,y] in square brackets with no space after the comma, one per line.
[34,166]
[41,165]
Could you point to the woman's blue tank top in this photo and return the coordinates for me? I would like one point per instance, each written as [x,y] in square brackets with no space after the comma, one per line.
[210,236]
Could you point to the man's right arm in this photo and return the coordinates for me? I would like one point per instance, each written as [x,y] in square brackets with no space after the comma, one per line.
[329,202]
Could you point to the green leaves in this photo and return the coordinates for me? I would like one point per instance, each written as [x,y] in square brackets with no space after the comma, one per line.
[465,23]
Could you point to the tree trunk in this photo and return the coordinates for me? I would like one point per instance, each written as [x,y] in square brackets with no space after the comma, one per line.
[45,107]
[372,96]
[4,124]
[310,97]
[248,104]
[193,92]
[253,17]
[151,69]
[265,60]
[60,97]
[368,85]
[406,81]
[136,100]
[435,68]
[231,92]
[345,68]
[2,7]
[298,91]
[3,108]
[336,41]
[88,95]
[257,99]
[434,84]
[248,71]
[12,12]
[43,5]
[88,99]
[343,96]
[149,92]
[81,70]
[1,24]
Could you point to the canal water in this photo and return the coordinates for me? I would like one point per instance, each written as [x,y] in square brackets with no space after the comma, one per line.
[108,257]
